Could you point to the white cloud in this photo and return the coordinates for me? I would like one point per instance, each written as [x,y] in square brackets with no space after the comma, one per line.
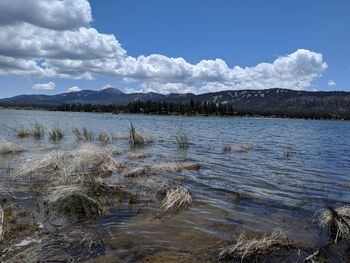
[43,38]
[331,83]
[73,89]
[53,14]
[44,86]
[107,86]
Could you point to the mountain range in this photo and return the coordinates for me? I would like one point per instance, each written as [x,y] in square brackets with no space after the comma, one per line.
[337,102]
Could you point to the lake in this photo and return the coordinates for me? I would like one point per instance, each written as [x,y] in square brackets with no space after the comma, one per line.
[292,171]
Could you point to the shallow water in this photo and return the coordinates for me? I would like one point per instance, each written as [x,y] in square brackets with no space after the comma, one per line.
[295,168]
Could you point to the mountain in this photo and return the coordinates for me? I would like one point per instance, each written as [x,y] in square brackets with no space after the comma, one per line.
[267,101]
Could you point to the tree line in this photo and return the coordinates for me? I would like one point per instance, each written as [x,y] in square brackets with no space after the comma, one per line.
[193,108]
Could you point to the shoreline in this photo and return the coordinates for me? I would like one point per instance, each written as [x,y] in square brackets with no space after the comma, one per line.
[182,115]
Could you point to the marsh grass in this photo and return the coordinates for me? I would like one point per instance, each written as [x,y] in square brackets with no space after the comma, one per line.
[23,132]
[38,130]
[83,134]
[338,222]
[245,249]
[56,134]
[104,138]
[176,198]
[182,139]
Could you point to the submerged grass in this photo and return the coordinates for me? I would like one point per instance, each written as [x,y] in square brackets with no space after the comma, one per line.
[226,148]
[182,140]
[81,205]
[246,249]
[140,171]
[244,148]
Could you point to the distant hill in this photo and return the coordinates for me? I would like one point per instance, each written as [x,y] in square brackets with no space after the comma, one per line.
[263,102]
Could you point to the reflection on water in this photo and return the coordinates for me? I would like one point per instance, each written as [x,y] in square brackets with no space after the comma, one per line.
[295,167]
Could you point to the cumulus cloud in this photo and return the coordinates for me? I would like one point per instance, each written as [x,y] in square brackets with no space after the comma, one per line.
[56,14]
[331,83]
[73,89]
[44,86]
[54,38]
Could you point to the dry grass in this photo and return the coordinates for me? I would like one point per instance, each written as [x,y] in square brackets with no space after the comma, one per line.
[338,221]
[174,167]
[38,130]
[136,171]
[56,134]
[245,249]
[136,155]
[7,147]
[176,198]
[182,140]
[71,167]
[244,148]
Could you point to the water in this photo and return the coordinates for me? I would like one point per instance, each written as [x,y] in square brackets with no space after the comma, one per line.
[294,169]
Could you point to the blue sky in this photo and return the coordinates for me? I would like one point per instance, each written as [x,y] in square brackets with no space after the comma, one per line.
[309,39]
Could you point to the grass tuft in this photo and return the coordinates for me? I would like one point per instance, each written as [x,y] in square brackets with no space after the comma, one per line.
[182,140]
[83,134]
[136,139]
[104,138]
[176,198]
[338,221]
[56,134]
[23,132]
[244,249]
[38,130]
